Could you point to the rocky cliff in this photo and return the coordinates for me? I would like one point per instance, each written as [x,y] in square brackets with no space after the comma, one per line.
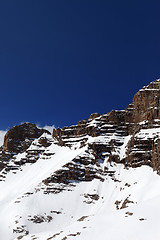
[39,169]
[130,136]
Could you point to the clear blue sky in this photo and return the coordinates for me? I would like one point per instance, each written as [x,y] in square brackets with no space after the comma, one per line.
[61,60]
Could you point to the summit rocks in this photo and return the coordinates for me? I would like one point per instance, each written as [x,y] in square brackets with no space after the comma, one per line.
[129,136]
[19,138]
[136,124]
[146,103]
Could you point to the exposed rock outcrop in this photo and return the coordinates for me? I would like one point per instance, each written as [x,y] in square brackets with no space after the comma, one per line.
[78,173]
[130,136]
[112,129]
[18,139]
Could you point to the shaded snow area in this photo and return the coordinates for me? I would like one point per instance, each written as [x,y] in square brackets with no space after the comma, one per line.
[2,134]
[125,205]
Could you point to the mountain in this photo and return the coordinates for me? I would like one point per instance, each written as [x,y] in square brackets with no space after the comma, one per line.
[98,179]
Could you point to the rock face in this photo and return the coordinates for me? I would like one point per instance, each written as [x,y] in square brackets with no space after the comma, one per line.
[139,124]
[78,172]
[130,136]
[19,138]
[146,103]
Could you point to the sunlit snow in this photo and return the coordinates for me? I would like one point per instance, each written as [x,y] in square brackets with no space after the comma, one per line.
[78,216]
[2,134]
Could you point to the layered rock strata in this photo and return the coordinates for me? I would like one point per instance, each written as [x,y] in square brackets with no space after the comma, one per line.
[130,136]
[51,183]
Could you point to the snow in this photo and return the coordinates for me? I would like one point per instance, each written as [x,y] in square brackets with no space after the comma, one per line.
[143,122]
[2,134]
[148,89]
[152,133]
[125,205]
[123,148]
[102,219]
[26,180]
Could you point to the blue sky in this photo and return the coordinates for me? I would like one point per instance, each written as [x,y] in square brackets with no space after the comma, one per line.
[61,60]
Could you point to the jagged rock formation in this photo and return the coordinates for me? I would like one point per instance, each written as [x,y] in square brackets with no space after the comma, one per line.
[86,153]
[112,129]
[108,133]
[17,140]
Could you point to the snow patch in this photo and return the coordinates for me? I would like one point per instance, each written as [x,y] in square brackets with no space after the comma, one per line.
[2,134]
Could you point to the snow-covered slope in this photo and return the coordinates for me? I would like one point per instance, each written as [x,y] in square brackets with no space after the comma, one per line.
[124,204]
[96,180]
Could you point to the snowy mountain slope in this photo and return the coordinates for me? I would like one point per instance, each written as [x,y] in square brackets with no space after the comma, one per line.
[96,180]
[87,209]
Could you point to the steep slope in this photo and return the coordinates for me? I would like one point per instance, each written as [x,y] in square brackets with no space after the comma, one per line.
[96,180]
